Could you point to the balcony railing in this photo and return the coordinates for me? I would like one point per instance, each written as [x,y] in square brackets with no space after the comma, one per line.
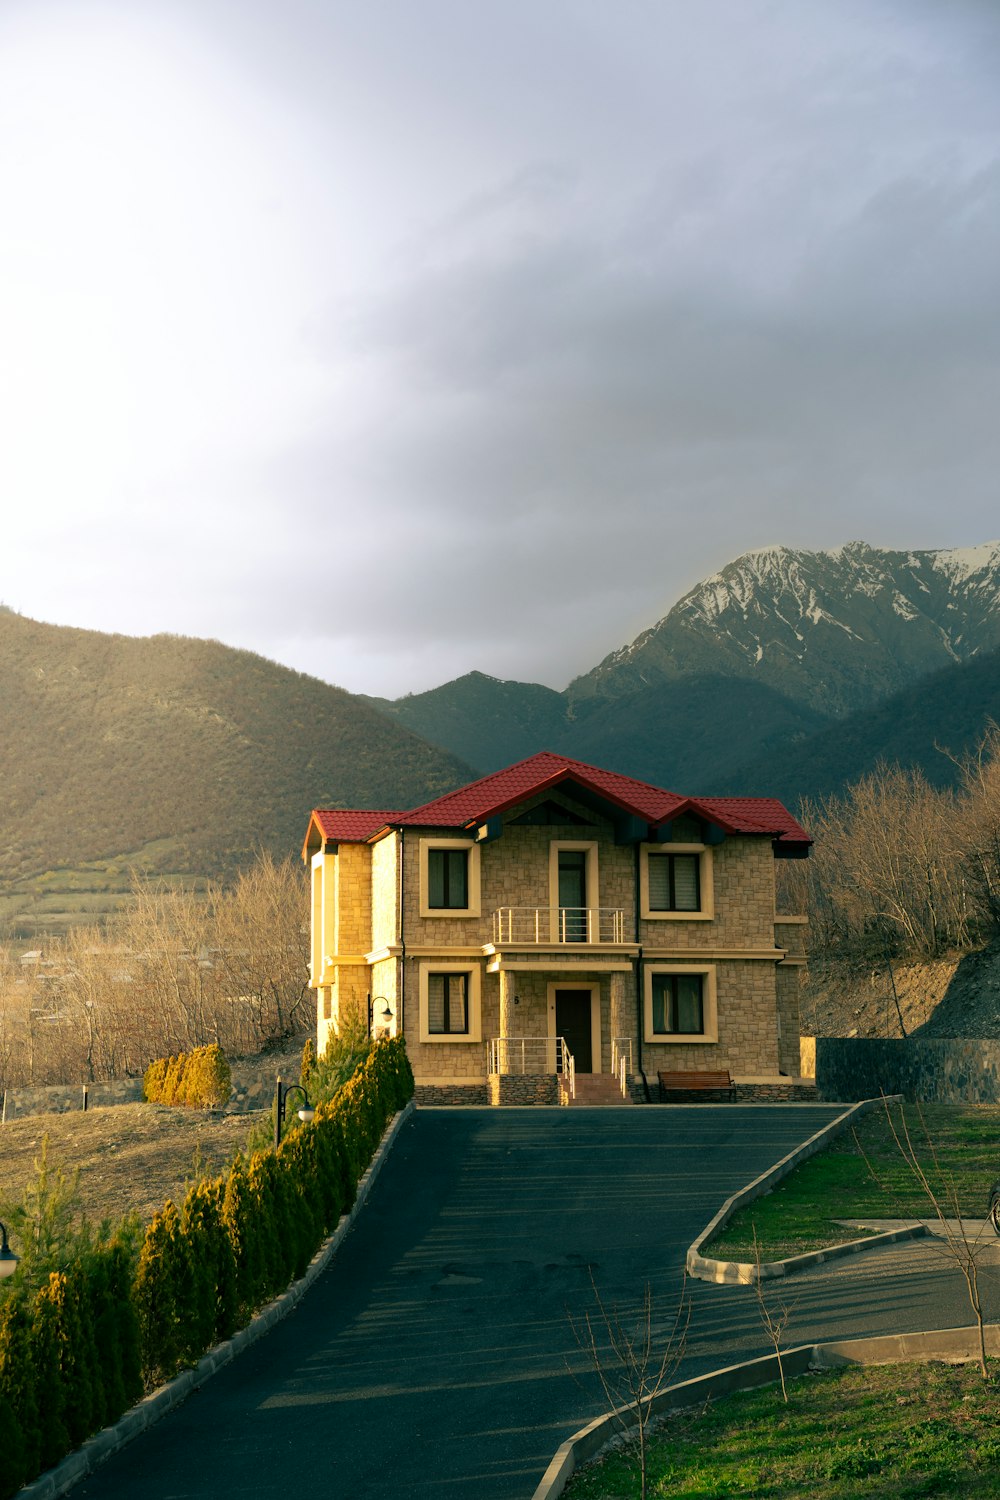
[533,1054]
[542,926]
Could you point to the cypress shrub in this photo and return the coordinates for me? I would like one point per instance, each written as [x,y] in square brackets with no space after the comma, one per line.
[153,1080]
[48,1335]
[211,1270]
[308,1063]
[159,1293]
[116,1329]
[201,1079]
[20,1430]
[239,1218]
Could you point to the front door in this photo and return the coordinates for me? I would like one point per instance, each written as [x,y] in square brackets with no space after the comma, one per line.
[573,1023]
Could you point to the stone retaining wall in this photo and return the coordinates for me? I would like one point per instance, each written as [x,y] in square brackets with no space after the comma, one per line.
[523,1088]
[432,1095]
[936,1070]
[60,1099]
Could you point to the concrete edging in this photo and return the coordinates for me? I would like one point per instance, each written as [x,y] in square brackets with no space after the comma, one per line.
[951,1345]
[742,1273]
[83,1460]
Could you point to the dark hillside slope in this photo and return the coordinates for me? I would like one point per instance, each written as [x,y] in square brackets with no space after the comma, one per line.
[690,734]
[942,716]
[485,720]
[181,755]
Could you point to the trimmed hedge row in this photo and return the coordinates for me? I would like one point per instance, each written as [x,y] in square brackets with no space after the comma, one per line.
[98,1333]
[200,1079]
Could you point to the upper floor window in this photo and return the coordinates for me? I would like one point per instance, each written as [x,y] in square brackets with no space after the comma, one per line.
[675,882]
[449,878]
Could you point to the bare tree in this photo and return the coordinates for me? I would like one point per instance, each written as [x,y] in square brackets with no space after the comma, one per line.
[775,1314]
[633,1361]
[941,1191]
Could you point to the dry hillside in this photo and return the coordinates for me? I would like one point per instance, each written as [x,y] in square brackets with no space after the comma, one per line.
[180,757]
[947,997]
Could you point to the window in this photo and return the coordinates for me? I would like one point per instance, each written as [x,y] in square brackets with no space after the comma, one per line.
[449,878]
[674,882]
[678,1003]
[448,1004]
[450,1008]
[573,891]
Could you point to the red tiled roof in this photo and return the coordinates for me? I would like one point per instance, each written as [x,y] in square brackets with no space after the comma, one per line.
[502,789]
[494,794]
[755,815]
[348,827]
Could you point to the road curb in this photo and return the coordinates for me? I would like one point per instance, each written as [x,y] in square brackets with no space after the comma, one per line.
[743,1273]
[83,1460]
[950,1345]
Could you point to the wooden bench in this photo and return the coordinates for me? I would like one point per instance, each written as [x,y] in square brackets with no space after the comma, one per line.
[697,1081]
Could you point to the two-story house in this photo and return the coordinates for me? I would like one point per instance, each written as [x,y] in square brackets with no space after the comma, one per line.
[555,920]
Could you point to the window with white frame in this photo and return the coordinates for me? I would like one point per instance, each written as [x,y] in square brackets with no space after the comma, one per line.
[675,882]
[450,1008]
[679,1003]
[449,878]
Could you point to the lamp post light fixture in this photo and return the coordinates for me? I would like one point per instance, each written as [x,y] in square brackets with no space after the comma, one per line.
[379,1016]
[8,1260]
[281,1093]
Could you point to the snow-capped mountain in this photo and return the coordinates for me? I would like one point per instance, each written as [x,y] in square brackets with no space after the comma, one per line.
[835,630]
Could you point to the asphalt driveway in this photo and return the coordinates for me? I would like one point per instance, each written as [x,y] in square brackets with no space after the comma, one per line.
[432,1359]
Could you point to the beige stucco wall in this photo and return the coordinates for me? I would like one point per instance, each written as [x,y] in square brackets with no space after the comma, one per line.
[384,893]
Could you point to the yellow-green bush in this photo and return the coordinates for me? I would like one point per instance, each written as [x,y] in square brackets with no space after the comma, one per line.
[199,1080]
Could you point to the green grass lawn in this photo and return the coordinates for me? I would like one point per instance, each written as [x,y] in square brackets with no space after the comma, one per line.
[863,1175]
[893,1430]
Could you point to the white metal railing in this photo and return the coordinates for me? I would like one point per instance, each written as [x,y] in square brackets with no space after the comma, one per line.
[621,1061]
[533,1054]
[540,926]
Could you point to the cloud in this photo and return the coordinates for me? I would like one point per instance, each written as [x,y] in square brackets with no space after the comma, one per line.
[398,342]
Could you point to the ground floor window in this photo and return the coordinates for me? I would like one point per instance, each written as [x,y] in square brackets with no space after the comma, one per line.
[679,1003]
[448,1004]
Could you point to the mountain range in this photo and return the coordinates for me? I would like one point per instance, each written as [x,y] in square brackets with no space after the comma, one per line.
[787,673]
[770,653]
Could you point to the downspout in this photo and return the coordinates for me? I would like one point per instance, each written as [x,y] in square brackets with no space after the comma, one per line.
[638,975]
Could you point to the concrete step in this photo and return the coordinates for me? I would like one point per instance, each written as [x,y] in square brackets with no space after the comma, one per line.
[594,1089]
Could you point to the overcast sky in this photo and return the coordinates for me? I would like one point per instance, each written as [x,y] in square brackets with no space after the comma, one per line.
[399,338]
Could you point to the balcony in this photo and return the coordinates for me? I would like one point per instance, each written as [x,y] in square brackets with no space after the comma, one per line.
[554,926]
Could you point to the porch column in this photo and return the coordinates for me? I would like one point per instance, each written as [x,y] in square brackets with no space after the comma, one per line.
[619,1025]
[506,1016]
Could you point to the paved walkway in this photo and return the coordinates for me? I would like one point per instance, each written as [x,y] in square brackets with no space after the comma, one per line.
[436,1358]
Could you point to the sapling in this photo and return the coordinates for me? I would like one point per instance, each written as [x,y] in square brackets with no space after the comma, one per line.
[633,1360]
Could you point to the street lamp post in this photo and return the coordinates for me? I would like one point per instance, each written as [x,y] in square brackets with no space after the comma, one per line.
[281,1093]
[8,1260]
